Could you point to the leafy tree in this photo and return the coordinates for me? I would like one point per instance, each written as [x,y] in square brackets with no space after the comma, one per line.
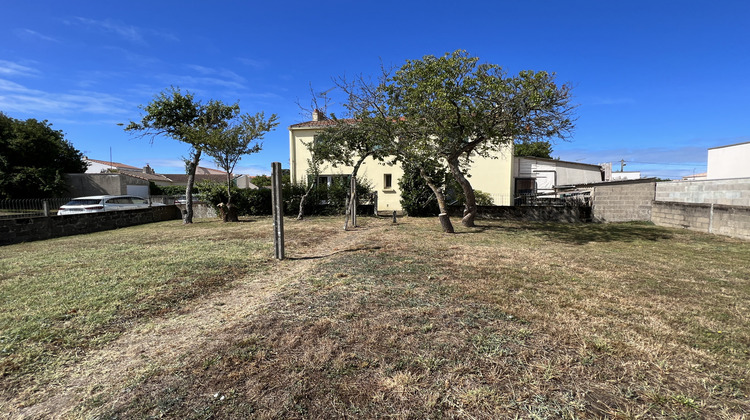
[262,181]
[352,140]
[457,108]
[228,144]
[313,171]
[34,159]
[540,149]
[181,117]
[417,199]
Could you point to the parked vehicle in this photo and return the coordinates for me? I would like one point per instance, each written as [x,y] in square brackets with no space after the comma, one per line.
[101,203]
[183,199]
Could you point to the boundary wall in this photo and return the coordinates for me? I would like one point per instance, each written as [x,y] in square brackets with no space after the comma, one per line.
[29,229]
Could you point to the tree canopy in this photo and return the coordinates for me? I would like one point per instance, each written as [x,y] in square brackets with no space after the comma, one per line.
[34,158]
[180,116]
[457,108]
[227,146]
[540,149]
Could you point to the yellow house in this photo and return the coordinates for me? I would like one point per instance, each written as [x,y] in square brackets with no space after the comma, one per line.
[490,175]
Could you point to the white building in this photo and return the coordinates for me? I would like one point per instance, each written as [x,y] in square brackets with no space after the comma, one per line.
[729,161]
[540,176]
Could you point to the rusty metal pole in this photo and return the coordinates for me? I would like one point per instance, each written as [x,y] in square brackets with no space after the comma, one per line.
[278,211]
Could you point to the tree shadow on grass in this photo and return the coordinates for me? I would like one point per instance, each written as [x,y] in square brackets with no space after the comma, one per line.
[583,233]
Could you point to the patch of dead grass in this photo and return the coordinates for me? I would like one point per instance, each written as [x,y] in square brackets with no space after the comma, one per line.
[505,320]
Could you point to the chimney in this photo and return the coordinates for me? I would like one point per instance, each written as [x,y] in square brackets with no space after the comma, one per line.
[147,169]
[317,115]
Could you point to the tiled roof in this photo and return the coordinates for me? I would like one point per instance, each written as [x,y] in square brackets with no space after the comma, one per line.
[182,178]
[114,164]
[323,123]
[147,177]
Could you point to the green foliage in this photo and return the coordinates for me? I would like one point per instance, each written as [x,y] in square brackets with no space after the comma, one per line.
[170,190]
[540,149]
[262,181]
[248,202]
[257,202]
[417,199]
[453,108]
[34,159]
[180,116]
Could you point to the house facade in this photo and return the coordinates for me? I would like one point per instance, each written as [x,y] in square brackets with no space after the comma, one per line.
[489,175]
[729,161]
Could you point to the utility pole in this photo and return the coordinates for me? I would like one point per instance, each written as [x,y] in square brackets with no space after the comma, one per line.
[622,165]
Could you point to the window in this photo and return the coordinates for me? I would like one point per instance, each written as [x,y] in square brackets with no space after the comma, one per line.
[387,182]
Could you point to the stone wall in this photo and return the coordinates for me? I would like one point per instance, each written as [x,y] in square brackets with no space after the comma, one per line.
[36,228]
[719,219]
[569,214]
[730,192]
[623,201]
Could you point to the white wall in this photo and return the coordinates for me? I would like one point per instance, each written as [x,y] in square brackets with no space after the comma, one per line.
[729,161]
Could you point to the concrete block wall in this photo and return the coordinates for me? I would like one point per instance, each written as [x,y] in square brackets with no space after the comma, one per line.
[37,228]
[622,201]
[730,192]
[719,219]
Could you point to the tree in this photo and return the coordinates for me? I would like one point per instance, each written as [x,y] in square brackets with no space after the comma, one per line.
[313,171]
[228,144]
[460,108]
[34,159]
[540,149]
[262,181]
[179,116]
[350,141]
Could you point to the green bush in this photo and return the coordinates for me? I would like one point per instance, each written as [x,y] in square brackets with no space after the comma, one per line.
[417,199]
[171,190]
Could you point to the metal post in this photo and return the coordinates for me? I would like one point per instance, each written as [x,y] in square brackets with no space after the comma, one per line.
[45,206]
[278,211]
[394,217]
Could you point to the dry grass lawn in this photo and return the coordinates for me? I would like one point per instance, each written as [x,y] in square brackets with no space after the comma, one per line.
[506,320]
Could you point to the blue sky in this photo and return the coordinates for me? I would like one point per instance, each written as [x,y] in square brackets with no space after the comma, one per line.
[657,82]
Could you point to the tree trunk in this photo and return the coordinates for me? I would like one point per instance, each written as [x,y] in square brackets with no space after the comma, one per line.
[230,213]
[303,199]
[445,220]
[192,166]
[470,209]
[352,193]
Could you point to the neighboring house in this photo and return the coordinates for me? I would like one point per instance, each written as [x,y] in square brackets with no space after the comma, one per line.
[540,176]
[625,175]
[492,176]
[107,184]
[101,166]
[729,161]
[695,177]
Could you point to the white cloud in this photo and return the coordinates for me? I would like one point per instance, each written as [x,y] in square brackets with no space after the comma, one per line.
[30,34]
[17,98]
[128,32]
[9,68]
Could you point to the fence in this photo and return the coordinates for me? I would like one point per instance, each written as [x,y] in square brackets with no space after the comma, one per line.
[32,207]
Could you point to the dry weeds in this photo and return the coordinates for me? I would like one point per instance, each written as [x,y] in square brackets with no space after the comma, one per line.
[501,321]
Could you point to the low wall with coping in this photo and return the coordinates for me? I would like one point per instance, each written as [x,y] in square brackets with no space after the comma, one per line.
[29,229]
[719,219]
